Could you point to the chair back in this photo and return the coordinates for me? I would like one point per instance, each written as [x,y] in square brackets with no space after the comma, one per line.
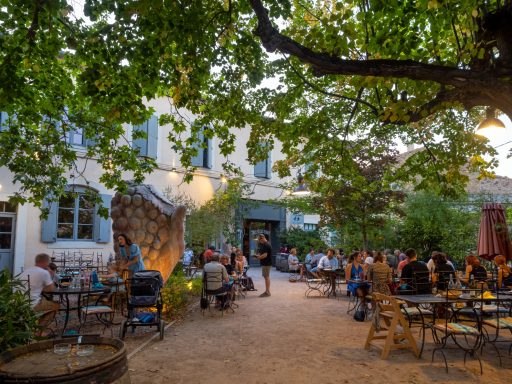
[212,282]
[421,282]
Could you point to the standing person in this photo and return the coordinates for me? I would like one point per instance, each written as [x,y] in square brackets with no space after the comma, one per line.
[130,252]
[264,255]
[392,259]
[41,281]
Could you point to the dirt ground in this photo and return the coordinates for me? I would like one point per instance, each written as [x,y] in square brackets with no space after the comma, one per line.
[289,338]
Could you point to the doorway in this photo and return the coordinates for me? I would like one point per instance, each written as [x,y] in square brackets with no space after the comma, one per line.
[252,228]
[7,232]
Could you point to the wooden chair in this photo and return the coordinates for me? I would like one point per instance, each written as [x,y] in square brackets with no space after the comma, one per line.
[398,335]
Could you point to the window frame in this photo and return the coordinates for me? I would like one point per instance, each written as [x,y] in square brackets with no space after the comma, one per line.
[76,217]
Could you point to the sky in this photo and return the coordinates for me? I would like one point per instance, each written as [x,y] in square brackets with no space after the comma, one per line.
[497,140]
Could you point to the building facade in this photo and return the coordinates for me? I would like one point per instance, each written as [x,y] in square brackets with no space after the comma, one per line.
[74,226]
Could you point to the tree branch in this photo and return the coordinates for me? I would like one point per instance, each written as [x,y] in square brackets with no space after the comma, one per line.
[475,87]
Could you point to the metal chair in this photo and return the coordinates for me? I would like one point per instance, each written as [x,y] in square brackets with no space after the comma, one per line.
[460,332]
[213,290]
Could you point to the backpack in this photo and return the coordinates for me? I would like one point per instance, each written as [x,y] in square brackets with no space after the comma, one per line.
[359,315]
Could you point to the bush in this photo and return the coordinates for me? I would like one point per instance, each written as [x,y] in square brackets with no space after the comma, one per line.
[177,291]
[17,320]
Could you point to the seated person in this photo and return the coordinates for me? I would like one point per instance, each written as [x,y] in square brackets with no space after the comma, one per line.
[356,271]
[113,278]
[474,268]
[309,259]
[415,277]
[431,265]
[293,260]
[504,275]
[218,284]
[379,273]
[224,260]
[41,281]
[442,271]
[328,261]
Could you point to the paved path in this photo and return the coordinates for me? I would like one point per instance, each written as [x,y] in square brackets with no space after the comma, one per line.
[287,338]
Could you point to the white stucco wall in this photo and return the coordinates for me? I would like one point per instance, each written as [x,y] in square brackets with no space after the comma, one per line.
[205,183]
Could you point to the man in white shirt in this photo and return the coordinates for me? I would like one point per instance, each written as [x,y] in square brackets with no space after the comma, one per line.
[41,281]
[328,261]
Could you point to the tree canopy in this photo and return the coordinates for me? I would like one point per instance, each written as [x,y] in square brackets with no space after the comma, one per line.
[422,71]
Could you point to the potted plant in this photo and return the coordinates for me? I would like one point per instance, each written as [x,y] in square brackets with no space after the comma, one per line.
[17,320]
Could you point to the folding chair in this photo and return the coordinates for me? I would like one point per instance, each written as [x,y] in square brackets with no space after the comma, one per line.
[398,335]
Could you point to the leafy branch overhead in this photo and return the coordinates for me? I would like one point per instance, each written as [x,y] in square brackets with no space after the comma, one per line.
[420,71]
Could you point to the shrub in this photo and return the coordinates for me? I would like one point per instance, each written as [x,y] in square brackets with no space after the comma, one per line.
[177,291]
[17,320]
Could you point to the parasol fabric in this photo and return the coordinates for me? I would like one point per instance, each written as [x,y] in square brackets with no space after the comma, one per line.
[493,238]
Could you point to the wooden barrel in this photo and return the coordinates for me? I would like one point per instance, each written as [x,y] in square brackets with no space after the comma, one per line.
[37,363]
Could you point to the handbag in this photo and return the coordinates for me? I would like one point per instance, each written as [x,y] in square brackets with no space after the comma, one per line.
[359,315]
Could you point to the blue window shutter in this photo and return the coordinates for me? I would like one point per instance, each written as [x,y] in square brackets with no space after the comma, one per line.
[198,160]
[152,141]
[3,121]
[49,226]
[102,226]
[262,168]
[208,154]
[141,143]
[269,165]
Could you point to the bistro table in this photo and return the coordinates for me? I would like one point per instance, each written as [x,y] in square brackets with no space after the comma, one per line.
[331,275]
[436,300]
[65,292]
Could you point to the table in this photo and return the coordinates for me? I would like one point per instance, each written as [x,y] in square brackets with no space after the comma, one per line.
[431,299]
[331,275]
[65,292]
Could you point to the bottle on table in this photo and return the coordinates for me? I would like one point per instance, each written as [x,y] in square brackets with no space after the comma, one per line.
[451,283]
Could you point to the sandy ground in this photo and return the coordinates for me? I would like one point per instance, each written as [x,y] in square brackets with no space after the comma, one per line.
[287,338]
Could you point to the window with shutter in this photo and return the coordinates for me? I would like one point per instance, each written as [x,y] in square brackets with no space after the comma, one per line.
[148,144]
[75,217]
[263,168]
[204,152]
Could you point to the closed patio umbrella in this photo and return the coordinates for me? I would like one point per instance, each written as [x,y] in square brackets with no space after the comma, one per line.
[493,236]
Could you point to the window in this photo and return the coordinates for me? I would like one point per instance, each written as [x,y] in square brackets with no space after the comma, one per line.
[5,206]
[309,227]
[204,151]
[147,145]
[75,220]
[263,168]
[75,217]
[76,137]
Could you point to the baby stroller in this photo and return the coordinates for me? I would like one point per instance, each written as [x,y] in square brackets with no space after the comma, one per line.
[143,291]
